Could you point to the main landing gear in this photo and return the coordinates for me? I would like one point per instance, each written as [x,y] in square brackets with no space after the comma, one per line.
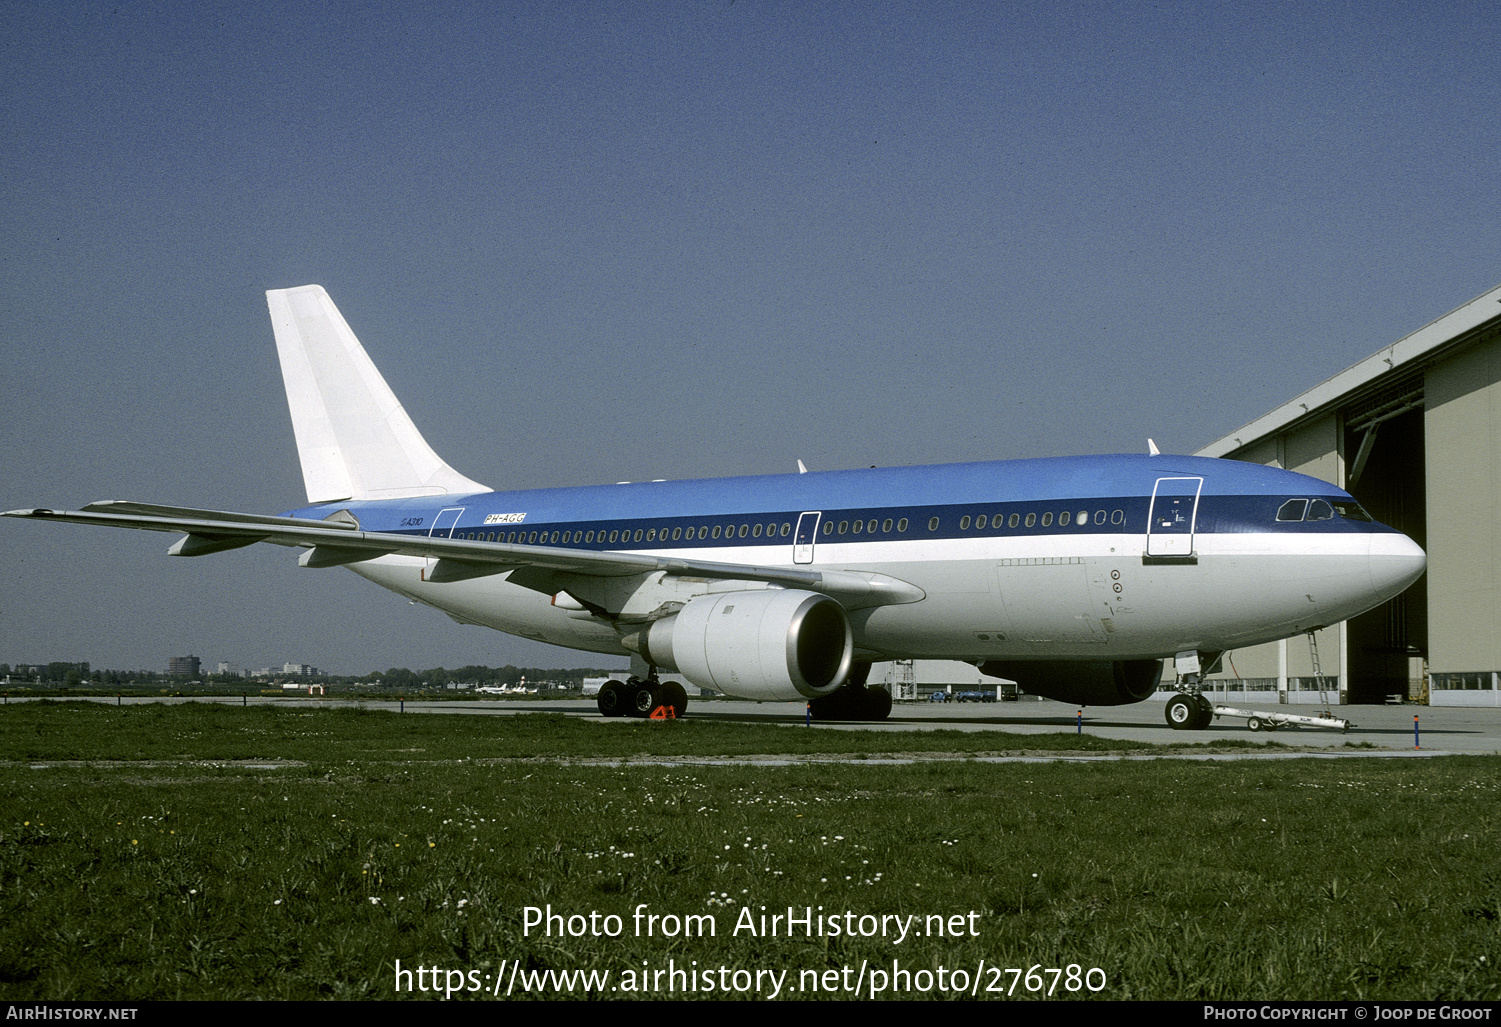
[642,697]
[854,701]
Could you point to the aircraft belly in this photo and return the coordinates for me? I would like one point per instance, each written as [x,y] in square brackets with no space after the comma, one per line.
[492,602]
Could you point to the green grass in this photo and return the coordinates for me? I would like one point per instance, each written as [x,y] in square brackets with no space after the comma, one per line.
[160,877]
[96,731]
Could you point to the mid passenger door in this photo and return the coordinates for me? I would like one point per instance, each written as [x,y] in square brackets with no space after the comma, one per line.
[1170,521]
[802,541]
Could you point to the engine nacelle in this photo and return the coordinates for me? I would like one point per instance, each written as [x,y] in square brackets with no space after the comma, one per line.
[1082,682]
[772,644]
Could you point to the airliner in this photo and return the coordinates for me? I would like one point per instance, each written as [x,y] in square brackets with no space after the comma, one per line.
[1074,577]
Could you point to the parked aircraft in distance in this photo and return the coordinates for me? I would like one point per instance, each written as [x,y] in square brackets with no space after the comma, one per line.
[1074,577]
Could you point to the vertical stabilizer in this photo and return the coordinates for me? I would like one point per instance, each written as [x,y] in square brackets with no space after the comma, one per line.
[354,438]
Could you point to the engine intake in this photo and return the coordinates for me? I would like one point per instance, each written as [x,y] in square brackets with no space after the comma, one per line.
[1082,683]
[772,644]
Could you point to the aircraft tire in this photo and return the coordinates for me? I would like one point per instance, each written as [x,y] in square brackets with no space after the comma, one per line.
[1180,713]
[611,699]
[1205,713]
[673,694]
[853,702]
[642,700]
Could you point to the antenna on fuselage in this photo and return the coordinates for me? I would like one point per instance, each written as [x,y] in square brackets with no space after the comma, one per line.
[1152,449]
[800,468]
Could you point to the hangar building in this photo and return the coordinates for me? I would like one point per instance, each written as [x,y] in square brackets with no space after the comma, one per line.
[1414,433]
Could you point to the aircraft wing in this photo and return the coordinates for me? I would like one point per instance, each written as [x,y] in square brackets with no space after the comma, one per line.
[339,541]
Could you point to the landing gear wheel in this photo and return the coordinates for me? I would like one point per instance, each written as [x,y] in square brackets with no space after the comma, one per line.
[1205,713]
[611,700]
[643,700]
[852,702]
[1181,713]
[672,694]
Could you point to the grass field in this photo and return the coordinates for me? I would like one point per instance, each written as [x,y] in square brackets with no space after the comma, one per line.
[216,852]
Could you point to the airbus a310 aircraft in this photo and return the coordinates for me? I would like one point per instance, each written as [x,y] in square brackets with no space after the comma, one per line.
[1074,577]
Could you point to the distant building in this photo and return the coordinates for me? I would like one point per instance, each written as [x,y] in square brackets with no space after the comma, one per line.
[183,666]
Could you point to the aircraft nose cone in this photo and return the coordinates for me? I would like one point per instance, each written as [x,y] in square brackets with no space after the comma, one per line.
[1396,562]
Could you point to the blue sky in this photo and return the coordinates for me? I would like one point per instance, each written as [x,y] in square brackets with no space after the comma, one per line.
[599,242]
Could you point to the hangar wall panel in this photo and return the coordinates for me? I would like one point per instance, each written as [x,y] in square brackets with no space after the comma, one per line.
[1463,451]
[1313,450]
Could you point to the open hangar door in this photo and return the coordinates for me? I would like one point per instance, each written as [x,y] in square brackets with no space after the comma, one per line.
[1385,470]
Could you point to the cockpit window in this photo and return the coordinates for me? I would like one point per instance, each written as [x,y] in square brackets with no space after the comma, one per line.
[1352,511]
[1292,510]
[1318,510]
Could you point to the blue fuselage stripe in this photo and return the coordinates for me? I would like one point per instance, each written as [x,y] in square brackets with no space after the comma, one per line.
[1028,498]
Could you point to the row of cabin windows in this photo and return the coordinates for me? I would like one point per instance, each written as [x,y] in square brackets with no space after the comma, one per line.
[870,526]
[772,530]
[1065,518]
[566,538]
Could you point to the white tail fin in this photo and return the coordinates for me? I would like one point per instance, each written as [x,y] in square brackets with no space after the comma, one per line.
[353,437]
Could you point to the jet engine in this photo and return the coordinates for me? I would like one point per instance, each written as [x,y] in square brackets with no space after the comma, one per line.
[772,644]
[1082,682]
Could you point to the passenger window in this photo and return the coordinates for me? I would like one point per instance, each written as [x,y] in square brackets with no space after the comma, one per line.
[901,525]
[1031,519]
[886,524]
[786,528]
[755,530]
[1063,519]
[703,531]
[856,528]
[743,530]
[613,535]
[677,533]
[1318,510]
[588,536]
[980,522]
[1292,510]
[1047,518]
[844,526]
[964,523]
[1082,517]
[933,524]
[651,534]
[715,532]
[531,539]
[828,528]
[1013,521]
[638,534]
[1115,518]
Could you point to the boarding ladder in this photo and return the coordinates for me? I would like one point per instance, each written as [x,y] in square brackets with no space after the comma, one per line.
[1318,673]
